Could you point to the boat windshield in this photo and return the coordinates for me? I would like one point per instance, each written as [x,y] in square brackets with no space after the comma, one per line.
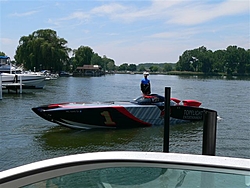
[4,60]
[149,99]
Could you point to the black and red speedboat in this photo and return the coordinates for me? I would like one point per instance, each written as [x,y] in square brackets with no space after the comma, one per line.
[144,111]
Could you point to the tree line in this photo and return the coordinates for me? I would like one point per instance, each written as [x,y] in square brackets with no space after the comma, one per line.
[44,50]
[233,60]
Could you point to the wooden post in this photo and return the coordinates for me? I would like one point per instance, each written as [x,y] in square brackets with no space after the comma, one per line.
[209,132]
[1,88]
[21,84]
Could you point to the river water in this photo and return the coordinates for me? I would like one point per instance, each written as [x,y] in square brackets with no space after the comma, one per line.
[26,138]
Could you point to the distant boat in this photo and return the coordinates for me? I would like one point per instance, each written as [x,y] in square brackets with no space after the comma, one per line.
[65,74]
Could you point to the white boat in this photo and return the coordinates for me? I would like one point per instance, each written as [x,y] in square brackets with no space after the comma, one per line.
[128,169]
[27,80]
[7,67]
[12,74]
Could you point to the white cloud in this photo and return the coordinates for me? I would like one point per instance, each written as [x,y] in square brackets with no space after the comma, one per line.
[77,15]
[198,12]
[188,12]
[24,14]
[112,8]
[7,41]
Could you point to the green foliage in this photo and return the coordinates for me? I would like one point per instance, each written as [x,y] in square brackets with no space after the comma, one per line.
[83,56]
[154,68]
[232,60]
[132,67]
[167,67]
[123,67]
[141,68]
[111,66]
[2,54]
[107,61]
[42,49]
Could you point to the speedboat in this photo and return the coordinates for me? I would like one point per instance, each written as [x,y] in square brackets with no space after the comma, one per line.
[144,111]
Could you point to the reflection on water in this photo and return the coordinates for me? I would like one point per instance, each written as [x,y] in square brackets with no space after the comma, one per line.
[64,138]
[201,77]
[184,138]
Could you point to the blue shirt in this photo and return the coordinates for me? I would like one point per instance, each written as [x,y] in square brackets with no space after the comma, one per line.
[145,81]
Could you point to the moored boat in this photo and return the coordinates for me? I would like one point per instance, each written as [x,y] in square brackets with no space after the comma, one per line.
[12,74]
[28,80]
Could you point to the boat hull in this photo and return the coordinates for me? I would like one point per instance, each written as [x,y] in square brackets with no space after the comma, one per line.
[110,115]
[99,116]
[28,80]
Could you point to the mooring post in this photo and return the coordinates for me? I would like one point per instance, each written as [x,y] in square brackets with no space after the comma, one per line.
[166,119]
[21,84]
[209,132]
[1,88]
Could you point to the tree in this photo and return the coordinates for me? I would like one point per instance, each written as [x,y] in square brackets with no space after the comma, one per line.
[231,59]
[219,61]
[83,56]
[167,67]
[123,67]
[184,63]
[106,61]
[42,49]
[242,61]
[154,68]
[111,66]
[142,68]
[96,60]
[132,67]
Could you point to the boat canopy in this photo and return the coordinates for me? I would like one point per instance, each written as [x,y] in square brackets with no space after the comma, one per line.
[4,57]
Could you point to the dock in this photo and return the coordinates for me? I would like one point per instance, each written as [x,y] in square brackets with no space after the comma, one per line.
[11,86]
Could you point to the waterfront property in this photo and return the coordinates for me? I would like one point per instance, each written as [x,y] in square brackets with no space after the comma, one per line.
[89,70]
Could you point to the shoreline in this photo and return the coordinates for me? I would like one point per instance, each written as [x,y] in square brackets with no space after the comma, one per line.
[182,73]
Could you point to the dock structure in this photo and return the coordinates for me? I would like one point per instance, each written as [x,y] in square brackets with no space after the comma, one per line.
[11,86]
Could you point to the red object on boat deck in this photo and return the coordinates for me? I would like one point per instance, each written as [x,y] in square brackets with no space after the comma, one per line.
[175,100]
[191,103]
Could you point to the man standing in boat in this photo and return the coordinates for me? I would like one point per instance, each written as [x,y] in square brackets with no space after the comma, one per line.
[145,84]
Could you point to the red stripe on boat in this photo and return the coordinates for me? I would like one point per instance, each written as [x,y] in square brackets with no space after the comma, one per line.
[125,112]
[191,103]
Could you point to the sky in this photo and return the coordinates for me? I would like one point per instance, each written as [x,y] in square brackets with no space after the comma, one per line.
[133,32]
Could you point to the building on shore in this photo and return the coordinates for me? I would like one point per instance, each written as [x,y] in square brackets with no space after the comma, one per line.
[89,70]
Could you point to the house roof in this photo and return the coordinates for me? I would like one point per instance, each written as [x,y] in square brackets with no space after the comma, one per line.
[89,67]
